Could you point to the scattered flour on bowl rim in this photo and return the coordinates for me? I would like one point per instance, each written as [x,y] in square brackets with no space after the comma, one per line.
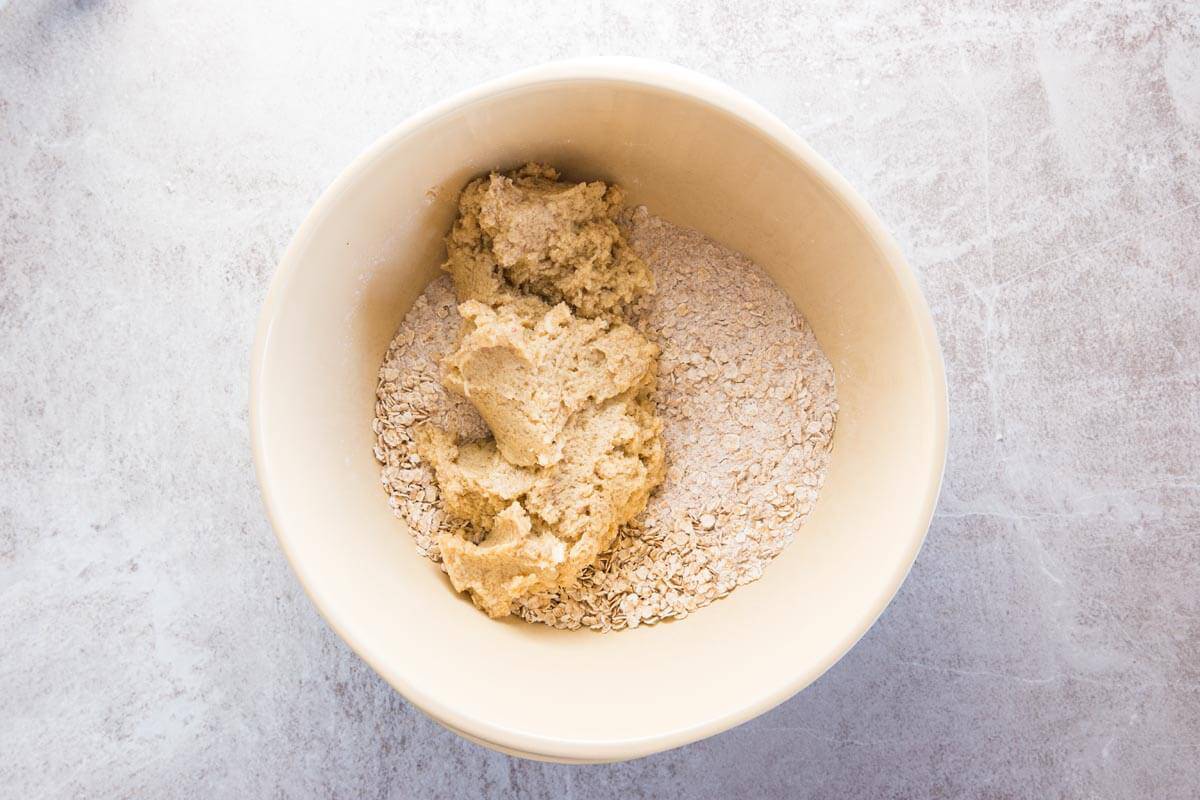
[748,405]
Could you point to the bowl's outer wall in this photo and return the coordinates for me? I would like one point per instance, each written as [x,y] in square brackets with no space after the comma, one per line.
[701,157]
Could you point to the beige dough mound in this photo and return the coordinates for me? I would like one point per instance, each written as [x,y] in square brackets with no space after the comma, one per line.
[528,374]
[528,233]
[544,524]
[512,561]
[543,274]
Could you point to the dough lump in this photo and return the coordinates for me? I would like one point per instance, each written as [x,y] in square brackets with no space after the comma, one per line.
[527,233]
[543,274]
[527,374]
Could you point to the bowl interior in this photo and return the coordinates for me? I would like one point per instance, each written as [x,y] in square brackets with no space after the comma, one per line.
[368,250]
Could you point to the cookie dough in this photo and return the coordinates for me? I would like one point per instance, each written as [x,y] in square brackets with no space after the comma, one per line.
[527,233]
[543,525]
[543,274]
[527,374]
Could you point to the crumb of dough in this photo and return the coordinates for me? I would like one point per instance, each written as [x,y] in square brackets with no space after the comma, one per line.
[527,233]
[543,275]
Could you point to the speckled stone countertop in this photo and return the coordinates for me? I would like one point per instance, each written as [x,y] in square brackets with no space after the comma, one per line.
[1040,165]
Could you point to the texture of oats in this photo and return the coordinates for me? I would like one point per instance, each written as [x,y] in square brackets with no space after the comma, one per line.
[748,403]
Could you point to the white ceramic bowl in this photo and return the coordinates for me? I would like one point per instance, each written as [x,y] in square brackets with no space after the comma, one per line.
[701,155]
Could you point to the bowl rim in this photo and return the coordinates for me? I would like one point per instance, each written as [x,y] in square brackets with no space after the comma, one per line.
[695,86]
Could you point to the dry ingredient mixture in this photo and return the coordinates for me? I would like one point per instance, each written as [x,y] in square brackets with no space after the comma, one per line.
[748,407]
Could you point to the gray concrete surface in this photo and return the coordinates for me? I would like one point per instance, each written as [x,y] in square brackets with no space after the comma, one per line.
[1040,164]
